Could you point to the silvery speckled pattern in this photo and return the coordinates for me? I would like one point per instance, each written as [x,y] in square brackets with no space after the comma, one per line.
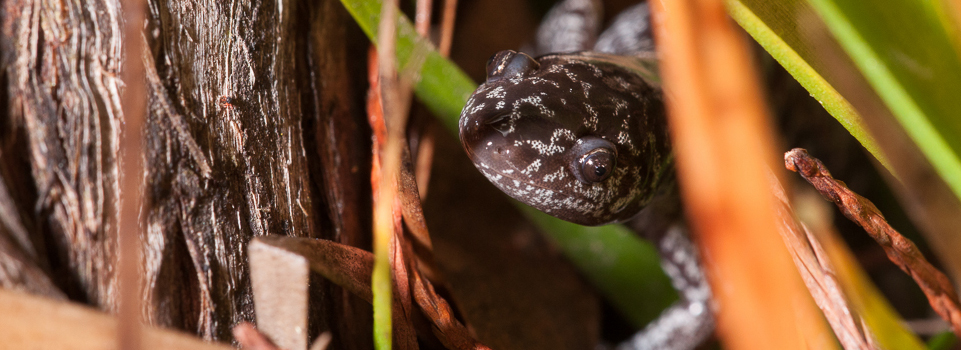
[521,127]
[582,136]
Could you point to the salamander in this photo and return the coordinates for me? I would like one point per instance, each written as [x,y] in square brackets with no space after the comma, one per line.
[583,137]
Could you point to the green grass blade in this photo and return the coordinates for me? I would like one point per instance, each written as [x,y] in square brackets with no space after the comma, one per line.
[892,48]
[800,68]
[909,58]
[943,341]
[623,267]
[608,255]
[439,84]
[383,297]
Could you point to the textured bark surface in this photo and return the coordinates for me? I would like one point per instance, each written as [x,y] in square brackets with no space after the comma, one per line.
[339,140]
[230,93]
[255,126]
[225,158]
[61,70]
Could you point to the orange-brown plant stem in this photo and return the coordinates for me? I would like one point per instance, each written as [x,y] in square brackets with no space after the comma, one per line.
[422,17]
[447,27]
[383,101]
[722,144]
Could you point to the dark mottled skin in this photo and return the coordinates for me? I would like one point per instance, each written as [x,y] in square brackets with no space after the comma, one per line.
[522,125]
[582,136]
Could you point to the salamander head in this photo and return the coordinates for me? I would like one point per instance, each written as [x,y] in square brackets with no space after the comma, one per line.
[585,141]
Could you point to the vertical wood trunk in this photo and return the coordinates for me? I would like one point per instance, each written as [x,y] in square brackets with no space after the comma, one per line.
[243,95]
[61,67]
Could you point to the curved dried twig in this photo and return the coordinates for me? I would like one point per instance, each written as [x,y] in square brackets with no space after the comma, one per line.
[900,250]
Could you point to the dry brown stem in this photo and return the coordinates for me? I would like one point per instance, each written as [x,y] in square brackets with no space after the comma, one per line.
[900,250]
[422,18]
[818,273]
[409,284]
[447,27]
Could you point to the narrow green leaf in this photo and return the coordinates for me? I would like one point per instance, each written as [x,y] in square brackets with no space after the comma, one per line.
[800,68]
[609,254]
[943,341]
[383,297]
[625,268]
[906,54]
[909,58]
[439,84]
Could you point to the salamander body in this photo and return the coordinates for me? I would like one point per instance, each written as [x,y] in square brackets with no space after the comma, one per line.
[583,136]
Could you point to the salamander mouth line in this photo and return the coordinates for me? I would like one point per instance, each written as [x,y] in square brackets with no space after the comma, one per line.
[471,154]
[527,181]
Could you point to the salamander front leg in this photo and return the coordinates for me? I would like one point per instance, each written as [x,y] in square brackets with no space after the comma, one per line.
[571,25]
[629,34]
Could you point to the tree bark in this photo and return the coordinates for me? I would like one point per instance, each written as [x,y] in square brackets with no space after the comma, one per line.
[237,91]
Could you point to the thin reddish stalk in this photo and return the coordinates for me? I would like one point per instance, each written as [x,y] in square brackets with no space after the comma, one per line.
[388,123]
[723,147]
[447,27]
[422,17]
[131,177]
[451,332]
[382,177]
[400,276]
[425,158]
[900,250]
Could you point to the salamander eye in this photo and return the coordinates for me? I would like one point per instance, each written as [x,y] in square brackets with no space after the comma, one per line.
[594,159]
[597,166]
